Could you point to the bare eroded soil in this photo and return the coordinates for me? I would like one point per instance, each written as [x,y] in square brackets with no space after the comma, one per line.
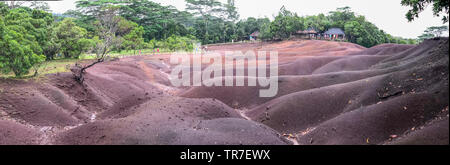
[329,93]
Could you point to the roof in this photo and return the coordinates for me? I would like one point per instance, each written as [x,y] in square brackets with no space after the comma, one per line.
[334,31]
[307,31]
[311,29]
[255,34]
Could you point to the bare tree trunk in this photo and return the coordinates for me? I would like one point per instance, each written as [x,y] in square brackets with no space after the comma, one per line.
[108,26]
[78,70]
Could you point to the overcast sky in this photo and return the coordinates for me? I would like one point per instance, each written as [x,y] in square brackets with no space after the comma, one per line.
[388,15]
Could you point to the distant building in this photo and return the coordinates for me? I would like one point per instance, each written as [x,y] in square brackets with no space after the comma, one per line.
[334,34]
[308,33]
[254,36]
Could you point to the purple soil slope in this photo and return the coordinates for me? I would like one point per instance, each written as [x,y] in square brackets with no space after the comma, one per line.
[329,93]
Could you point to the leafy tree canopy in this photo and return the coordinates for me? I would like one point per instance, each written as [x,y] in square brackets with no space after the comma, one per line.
[433,31]
[19,33]
[440,7]
[71,37]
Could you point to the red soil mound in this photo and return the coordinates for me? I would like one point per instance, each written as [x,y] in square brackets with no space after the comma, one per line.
[329,93]
[12,133]
[174,121]
[384,49]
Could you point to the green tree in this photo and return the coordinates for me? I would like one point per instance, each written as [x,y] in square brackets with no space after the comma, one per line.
[265,32]
[206,9]
[44,32]
[158,21]
[231,16]
[106,39]
[433,31]
[52,45]
[3,8]
[134,40]
[364,33]
[319,22]
[353,30]
[87,11]
[341,16]
[14,4]
[38,5]
[94,8]
[178,43]
[440,7]
[285,24]
[248,26]
[424,37]
[19,49]
[71,38]
[436,31]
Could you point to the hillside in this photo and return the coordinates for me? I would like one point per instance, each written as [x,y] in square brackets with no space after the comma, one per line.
[329,93]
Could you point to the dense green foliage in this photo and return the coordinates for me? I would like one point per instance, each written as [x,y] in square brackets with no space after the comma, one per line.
[30,36]
[211,21]
[247,26]
[175,43]
[134,40]
[158,22]
[208,20]
[71,38]
[285,24]
[357,29]
[20,35]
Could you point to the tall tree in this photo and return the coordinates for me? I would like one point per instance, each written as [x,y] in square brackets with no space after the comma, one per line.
[71,38]
[132,35]
[39,5]
[14,3]
[319,22]
[159,22]
[265,32]
[204,8]
[248,26]
[341,16]
[107,27]
[45,33]
[94,8]
[232,14]
[284,24]
[20,50]
[87,11]
[436,31]
[3,8]
[440,7]
[433,31]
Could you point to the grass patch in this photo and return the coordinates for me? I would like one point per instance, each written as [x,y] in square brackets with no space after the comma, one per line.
[48,67]
[128,53]
[63,65]
[56,66]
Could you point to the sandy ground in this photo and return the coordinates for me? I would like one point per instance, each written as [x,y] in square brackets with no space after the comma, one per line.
[329,93]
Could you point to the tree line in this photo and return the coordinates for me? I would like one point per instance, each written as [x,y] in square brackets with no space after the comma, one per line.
[357,29]
[30,34]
